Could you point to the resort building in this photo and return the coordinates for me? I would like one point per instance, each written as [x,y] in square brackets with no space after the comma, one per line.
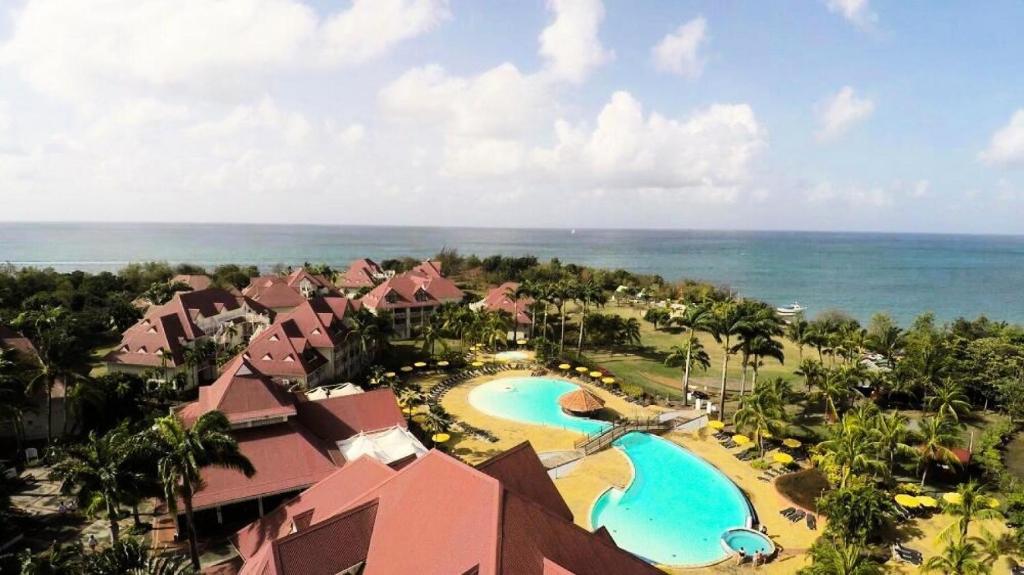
[158,344]
[362,275]
[283,293]
[311,344]
[291,441]
[34,421]
[436,515]
[412,297]
[502,299]
[195,281]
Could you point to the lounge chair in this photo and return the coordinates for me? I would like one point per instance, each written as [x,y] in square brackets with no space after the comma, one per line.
[787,511]
[812,522]
[1017,570]
[765,479]
[796,517]
[901,555]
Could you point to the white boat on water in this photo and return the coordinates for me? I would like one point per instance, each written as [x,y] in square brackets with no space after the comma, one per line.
[791,309]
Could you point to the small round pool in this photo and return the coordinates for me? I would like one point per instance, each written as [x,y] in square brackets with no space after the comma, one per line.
[512,356]
[748,541]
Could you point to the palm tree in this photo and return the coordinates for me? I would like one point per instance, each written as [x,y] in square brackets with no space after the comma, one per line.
[797,332]
[432,333]
[831,557]
[13,401]
[588,293]
[102,472]
[973,504]
[760,413]
[562,292]
[888,341]
[695,318]
[938,438]
[693,355]
[892,437]
[437,420]
[948,400]
[726,322]
[181,454]
[410,396]
[852,450]
[762,346]
[960,557]
[812,371]
[834,388]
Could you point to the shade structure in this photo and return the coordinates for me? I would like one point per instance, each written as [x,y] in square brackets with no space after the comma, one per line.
[596,374]
[783,458]
[477,364]
[385,446]
[442,363]
[582,369]
[580,401]
[405,368]
[565,367]
[907,500]
[716,424]
[440,437]
[419,364]
[952,498]
[608,380]
[740,439]
[390,374]
[926,501]
[791,443]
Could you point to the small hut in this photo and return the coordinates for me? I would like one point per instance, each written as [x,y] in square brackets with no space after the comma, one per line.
[580,401]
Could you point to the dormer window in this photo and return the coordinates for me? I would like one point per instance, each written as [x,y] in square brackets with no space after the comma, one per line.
[317,331]
[159,352]
[422,295]
[266,357]
[289,359]
[274,338]
[152,329]
[391,297]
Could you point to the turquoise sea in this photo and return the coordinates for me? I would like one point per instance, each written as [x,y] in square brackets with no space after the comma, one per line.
[904,274]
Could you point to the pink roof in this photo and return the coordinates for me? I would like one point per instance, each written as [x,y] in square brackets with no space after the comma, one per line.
[273,292]
[341,417]
[296,277]
[498,299]
[430,268]
[10,339]
[321,320]
[242,394]
[360,274]
[194,281]
[412,289]
[287,457]
[435,516]
[282,350]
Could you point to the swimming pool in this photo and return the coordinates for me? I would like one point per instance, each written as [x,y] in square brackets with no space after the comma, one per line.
[677,507]
[533,400]
[512,356]
[748,541]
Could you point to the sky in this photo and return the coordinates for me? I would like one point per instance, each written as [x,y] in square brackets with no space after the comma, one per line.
[904,116]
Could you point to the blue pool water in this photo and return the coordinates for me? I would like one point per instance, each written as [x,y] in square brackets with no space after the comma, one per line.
[676,509]
[533,400]
[749,541]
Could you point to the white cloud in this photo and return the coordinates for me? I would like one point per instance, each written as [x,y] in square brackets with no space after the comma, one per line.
[570,44]
[852,196]
[857,12]
[677,53]
[71,49]
[920,189]
[1006,148]
[842,111]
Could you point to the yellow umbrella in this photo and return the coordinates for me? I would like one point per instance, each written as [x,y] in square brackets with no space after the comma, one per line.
[596,374]
[952,498]
[608,380]
[791,443]
[442,363]
[406,368]
[927,501]
[716,424]
[741,439]
[907,500]
[419,364]
[407,410]
[993,502]
[564,367]
[477,364]
[783,458]
[389,374]
[521,342]
[440,437]
[582,369]
[766,435]
[419,418]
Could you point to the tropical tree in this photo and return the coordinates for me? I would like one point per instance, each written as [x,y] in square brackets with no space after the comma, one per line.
[13,401]
[58,559]
[761,414]
[588,293]
[851,450]
[131,556]
[561,293]
[856,514]
[972,503]
[181,453]
[961,556]
[101,473]
[834,388]
[797,332]
[763,346]
[938,437]
[885,338]
[432,333]
[812,371]
[693,355]
[892,437]
[948,400]
[695,318]
[832,557]
[656,316]
[727,321]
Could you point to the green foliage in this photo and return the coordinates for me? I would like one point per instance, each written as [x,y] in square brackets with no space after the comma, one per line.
[832,557]
[856,514]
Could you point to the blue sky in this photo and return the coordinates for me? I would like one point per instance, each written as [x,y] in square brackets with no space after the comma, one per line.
[819,114]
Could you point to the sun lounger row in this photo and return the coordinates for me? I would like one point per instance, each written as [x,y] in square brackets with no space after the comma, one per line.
[793,514]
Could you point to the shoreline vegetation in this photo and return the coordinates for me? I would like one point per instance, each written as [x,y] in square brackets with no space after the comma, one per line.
[881,408]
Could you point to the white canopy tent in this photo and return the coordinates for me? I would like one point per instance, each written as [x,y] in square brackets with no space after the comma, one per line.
[319,393]
[385,446]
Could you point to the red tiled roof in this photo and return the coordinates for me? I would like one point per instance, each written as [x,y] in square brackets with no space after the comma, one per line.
[341,417]
[273,292]
[287,457]
[296,277]
[157,340]
[432,290]
[430,268]
[10,339]
[194,281]
[302,552]
[242,394]
[498,299]
[520,470]
[440,516]
[360,274]
[580,401]
[322,320]
[282,350]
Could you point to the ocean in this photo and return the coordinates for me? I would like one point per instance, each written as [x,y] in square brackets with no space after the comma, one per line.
[859,273]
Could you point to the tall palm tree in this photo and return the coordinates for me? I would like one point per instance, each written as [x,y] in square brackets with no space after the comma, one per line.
[948,400]
[689,357]
[183,452]
[562,292]
[961,556]
[831,557]
[812,371]
[761,414]
[588,293]
[887,342]
[13,401]
[695,318]
[762,323]
[763,346]
[892,437]
[973,504]
[938,438]
[834,388]
[797,331]
[727,321]
[101,473]
[851,449]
